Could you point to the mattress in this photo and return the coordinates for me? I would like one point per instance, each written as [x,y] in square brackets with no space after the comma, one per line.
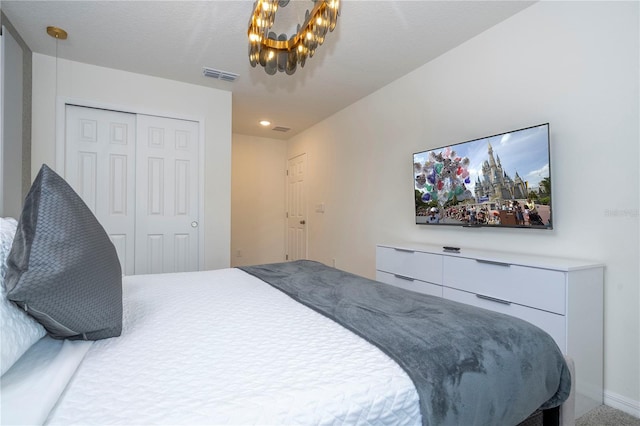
[223,347]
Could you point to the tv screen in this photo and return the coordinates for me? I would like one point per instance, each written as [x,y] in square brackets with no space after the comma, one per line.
[496,181]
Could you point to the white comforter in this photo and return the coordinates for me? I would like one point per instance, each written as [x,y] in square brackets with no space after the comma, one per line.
[222,347]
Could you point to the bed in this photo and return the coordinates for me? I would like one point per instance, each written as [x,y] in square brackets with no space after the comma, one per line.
[288,343]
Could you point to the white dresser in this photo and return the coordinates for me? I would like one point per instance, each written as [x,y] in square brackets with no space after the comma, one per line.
[564,297]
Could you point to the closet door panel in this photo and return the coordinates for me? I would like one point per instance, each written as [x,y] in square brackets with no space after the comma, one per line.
[99,166]
[167,205]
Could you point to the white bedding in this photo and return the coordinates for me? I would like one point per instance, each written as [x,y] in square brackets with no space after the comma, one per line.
[223,347]
[33,385]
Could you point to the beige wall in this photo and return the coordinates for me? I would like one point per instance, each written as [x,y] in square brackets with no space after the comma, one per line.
[257,200]
[149,95]
[572,64]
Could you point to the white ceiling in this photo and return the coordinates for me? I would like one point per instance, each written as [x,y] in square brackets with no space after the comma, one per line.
[374,43]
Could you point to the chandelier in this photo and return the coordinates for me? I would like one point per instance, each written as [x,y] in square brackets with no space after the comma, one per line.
[280,53]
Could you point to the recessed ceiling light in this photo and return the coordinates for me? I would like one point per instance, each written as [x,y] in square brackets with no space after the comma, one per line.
[265,123]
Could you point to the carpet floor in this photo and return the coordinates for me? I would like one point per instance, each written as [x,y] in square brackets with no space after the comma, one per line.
[607,416]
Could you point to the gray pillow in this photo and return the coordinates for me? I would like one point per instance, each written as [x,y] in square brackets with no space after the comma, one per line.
[63,269]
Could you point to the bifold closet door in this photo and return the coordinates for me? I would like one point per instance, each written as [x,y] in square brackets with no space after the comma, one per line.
[100,167]
[139,175]
[167,202]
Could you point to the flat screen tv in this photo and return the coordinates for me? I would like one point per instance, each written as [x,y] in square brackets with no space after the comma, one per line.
[497,181]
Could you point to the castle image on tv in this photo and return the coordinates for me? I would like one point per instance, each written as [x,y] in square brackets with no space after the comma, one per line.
[501,180]
[496,185]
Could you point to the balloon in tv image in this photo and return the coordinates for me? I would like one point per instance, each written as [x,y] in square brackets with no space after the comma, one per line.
[501,180]
[443,176]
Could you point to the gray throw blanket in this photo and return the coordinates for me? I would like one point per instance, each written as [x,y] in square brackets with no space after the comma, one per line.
[470,366]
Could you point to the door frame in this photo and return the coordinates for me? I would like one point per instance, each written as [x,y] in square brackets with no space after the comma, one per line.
[60,147]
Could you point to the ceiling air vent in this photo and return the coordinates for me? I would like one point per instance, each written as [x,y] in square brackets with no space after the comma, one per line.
[219,75]
[281,129]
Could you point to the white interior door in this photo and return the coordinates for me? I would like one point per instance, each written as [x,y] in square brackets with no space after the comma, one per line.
[296,208]
[167,202]
[99,166]
[139,175]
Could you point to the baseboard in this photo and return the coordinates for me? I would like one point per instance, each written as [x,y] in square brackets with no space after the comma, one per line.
[622,403]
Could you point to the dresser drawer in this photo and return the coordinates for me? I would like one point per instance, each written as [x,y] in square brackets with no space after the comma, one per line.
[553,324]
[538,288]
[409,283]
[410,264]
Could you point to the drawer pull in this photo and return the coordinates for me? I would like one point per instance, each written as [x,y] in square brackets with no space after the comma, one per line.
[493,299]
[404,250]
[493,262]
[402,277]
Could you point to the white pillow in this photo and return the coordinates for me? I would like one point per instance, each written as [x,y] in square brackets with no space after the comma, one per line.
[8,226]
[18,330]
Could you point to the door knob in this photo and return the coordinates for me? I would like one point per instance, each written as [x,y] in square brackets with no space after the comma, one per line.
[194,224]
[302,222]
